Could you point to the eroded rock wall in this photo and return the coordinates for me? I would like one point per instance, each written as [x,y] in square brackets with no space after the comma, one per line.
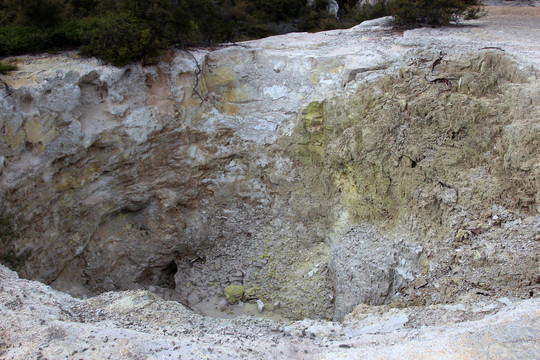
[258,164]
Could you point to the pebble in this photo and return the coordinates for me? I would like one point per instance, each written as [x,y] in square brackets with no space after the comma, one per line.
[260,305]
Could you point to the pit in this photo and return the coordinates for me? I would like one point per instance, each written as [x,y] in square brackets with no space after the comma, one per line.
[360,198]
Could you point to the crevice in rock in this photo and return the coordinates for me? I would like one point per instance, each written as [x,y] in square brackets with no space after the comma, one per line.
[166,277]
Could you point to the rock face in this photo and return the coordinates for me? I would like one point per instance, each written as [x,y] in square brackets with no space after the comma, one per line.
[403,159]
[369,268]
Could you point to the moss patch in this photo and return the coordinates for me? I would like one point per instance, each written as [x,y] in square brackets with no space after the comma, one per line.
[7,230]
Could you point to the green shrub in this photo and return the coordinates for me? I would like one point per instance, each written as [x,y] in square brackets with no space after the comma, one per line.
[120,31]
[42,14]
[5,68]
[118,38]
[280,10]
[318,21]
[19,39]
[433,12]
[355,14]
[29,26]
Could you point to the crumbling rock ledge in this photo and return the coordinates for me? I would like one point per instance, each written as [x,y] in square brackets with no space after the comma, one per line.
[38,322]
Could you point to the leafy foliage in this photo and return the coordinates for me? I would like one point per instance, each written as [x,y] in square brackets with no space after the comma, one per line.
[5,68]
[355,14]
[120,31]
[28,26]
[119,37]
[433,12]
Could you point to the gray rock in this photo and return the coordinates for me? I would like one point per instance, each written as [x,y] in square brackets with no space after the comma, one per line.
[260,305]
[368,267]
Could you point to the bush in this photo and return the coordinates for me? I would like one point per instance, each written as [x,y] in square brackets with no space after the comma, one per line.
[433,12]
[42,14]
[19,39]
[29,26]
[119,38]
[355,14]
[4,69]
[120,31]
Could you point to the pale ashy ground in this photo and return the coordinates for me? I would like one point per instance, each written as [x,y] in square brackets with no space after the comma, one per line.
[40,323]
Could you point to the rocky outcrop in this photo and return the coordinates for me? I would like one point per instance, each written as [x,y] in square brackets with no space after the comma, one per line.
[370,268]
[38,322]
[247,164]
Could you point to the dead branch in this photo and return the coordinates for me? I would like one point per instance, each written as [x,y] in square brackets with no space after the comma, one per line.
[197,73]
[492,48]
[8,88]
[437,61]
[445,80]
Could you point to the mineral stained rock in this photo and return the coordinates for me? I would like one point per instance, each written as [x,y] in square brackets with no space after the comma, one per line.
[234,293]
[370,165]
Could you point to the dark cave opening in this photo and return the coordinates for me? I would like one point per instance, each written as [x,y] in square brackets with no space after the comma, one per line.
[166,276]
